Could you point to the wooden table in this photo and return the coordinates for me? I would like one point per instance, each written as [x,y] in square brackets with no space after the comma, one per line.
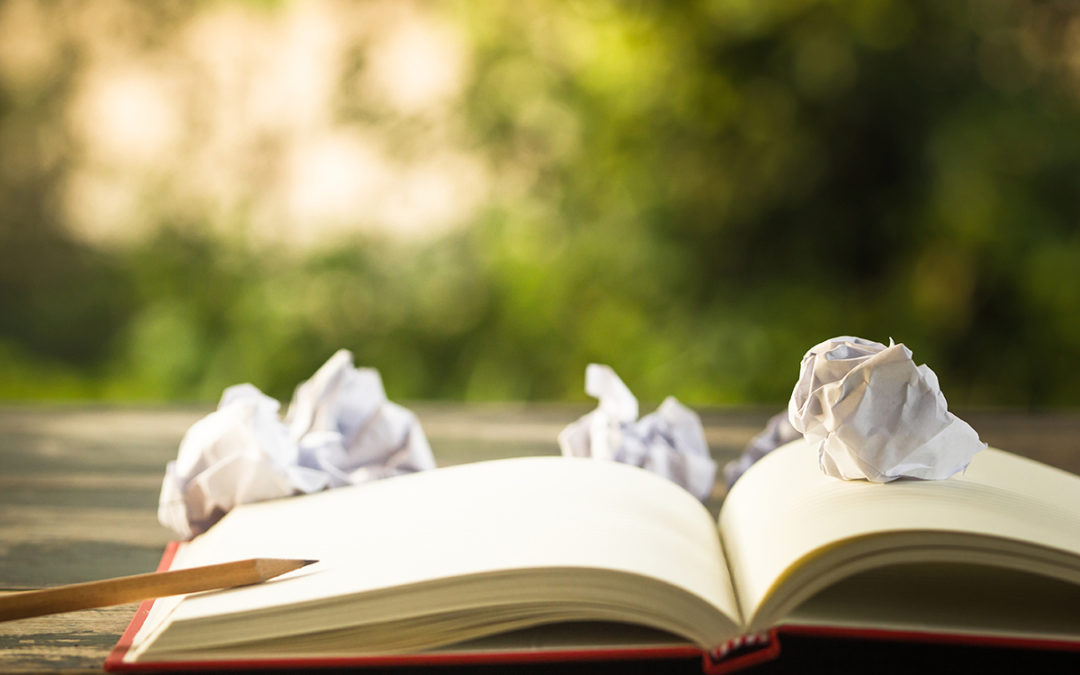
[79,490]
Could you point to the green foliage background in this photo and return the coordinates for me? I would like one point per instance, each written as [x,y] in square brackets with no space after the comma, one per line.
[717,187]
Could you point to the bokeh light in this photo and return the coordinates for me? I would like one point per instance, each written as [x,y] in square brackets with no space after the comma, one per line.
[480,199]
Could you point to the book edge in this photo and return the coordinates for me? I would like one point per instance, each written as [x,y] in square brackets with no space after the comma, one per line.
[743,653]
[114,662]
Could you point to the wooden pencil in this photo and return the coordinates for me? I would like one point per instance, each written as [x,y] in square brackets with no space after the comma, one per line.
[142,587]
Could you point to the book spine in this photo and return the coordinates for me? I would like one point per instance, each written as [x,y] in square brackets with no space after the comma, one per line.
[742,652]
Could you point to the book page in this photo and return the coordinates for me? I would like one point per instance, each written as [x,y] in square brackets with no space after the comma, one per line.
[477,519]
[948,598]
[784,512]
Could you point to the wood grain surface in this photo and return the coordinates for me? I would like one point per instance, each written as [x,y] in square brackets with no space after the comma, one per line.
[79,489]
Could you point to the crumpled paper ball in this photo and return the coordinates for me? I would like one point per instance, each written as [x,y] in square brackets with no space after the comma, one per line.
[669,442]
[778,431]
[875,415]
[340,430]
[345,426]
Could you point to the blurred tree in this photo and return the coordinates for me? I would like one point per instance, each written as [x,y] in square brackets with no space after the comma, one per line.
[692,193]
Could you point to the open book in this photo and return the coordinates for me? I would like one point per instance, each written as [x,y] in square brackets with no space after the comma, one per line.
[441,561]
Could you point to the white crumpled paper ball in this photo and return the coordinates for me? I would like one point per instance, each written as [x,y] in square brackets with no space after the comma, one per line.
[777,432]
[237,454]
[669,442]
[347,428]
[340,430]
[875,415]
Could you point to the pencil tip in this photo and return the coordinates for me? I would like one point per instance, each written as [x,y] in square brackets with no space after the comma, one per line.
[309,562]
